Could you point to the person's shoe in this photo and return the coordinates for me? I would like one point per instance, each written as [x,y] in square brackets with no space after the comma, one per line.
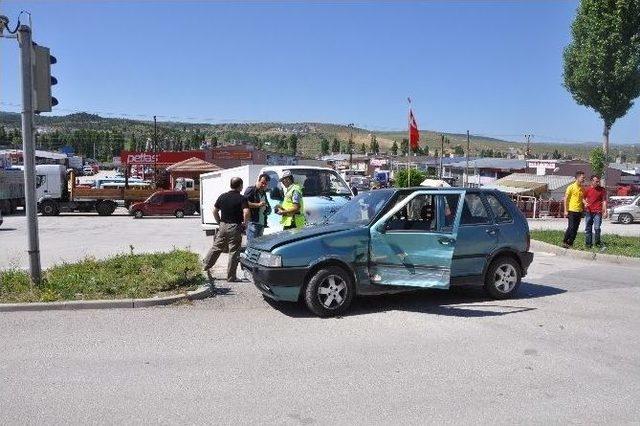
[565,245]
[209,275]
[233,280]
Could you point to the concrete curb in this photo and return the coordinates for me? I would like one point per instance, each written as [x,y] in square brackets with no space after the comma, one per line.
[201,292]
[541,246]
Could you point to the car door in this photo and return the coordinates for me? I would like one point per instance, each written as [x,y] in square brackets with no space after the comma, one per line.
[477,237]
[412,245]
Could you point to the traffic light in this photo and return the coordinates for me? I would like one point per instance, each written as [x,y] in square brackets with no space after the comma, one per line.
[42,79]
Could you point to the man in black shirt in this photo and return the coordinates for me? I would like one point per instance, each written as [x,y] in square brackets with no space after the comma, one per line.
[232,214]
[258,206]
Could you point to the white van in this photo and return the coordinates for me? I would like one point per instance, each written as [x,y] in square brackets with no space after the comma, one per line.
[323,189]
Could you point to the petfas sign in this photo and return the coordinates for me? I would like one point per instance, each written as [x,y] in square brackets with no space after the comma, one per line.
[137,158]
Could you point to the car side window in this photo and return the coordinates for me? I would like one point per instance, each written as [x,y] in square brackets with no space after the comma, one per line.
[419,214]
[474,211]
[40,180]
[500,212]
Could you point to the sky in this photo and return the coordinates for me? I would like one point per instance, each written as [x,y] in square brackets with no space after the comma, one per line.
[491,67]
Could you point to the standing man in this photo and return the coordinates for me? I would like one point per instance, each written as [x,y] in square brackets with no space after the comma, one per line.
[259,207]
[292,208]
[232,213]
[595,202]
[573,207]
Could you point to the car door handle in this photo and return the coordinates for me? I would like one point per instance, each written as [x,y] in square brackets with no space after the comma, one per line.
[492,231]
[446,241]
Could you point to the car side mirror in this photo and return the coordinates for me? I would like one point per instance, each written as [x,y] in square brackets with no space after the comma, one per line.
[276,194]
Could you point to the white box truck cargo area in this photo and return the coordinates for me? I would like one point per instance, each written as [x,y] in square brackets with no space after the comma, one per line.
[323,189]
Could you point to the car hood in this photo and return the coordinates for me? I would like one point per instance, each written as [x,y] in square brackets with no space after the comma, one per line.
[270,242]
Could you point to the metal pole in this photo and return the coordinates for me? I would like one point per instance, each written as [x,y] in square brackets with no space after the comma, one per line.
[28,152]
[466,170]
[441,153]
[155,152]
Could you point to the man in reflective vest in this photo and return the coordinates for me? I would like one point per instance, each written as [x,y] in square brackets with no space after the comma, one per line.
[292,208]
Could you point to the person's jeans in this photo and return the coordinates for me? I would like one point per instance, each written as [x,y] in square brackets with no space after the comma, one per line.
[593,222]
[254,230]
[572,227]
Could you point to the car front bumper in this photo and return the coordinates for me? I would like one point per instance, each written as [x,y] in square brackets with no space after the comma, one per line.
[276,283]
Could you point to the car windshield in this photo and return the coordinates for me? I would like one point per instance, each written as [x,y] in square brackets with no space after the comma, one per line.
[362,208]
[316,182]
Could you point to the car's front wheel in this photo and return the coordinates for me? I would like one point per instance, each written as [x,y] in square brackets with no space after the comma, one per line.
[503,278]
[138,214]
[329,292]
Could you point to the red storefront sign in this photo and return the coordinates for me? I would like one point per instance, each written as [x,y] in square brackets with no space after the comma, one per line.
[162,157]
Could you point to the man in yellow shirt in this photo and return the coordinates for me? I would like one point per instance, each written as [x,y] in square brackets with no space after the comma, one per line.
[573,207]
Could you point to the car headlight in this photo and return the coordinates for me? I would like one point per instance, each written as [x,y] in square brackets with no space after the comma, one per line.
[269,260]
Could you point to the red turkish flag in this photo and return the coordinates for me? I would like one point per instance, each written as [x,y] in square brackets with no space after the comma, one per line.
[414,135]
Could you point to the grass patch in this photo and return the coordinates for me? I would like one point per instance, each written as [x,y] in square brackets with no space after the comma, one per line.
[122,276]
[615,244]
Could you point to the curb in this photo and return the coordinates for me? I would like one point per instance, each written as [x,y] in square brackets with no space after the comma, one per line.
[587,255]
[201,292]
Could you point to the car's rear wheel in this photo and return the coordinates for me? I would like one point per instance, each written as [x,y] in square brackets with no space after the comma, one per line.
[329,292]
[138,214]
[179,214]
[503,278]
[49,208]
[626,218]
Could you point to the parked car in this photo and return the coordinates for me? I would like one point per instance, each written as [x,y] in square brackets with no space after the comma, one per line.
[392,240]
[164,203]
[87,170]
[626,213]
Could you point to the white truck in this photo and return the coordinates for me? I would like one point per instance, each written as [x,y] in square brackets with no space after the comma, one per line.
[323,189]
[11,190]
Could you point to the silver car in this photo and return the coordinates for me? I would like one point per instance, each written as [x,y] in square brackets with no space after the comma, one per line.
[627,213]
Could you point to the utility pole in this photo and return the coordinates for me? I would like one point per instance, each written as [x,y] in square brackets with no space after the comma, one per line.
[155,152]
[441,153]
[28,152]
[527,152]
[466,170]
[351,148]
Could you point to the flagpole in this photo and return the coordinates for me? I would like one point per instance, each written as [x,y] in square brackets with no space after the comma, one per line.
[409,153]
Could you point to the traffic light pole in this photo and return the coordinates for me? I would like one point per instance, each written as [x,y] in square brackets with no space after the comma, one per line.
[28,151]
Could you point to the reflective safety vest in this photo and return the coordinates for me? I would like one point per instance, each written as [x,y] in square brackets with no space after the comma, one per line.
[298,219]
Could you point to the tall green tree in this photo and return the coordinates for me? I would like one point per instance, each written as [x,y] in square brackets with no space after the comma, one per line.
[363,148]
[602,63]
[324,146]
[394,148]
[374,147]
[293,144]
[335,146]
[598,161]
[404,146]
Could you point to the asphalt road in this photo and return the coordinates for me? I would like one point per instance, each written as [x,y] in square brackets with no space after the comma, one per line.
[565,351]
[73,236]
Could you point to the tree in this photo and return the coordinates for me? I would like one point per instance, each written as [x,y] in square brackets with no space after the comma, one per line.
[335,146]
[425,150]
[374,147]
[598,161]
[324,147]
[404,146]
[556,155]
[602,63]
[363,148]
[402,177]
[458,150]
[350,145]
[638,158]
[293,144]
[394,148]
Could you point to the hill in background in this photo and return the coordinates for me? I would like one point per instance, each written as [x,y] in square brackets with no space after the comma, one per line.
[76,128]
